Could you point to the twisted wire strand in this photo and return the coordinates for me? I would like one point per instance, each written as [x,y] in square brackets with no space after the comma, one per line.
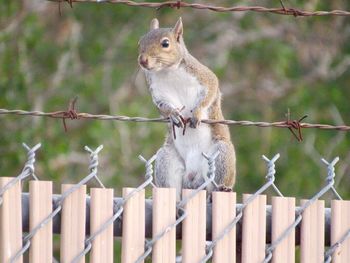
[104,226]
[271,171]
[94,162]
[181,4]
[212,167]
[335,246]
[270,178]
[93,167]
[149,167]
[180,206]
[331,175]
[326,188]
[262,124]
[28,170]
[150,244]
[330,178]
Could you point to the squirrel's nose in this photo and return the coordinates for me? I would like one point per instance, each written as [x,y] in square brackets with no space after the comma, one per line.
[143,60]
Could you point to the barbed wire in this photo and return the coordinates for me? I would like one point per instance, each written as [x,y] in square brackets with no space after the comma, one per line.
[292,125]
[182,4]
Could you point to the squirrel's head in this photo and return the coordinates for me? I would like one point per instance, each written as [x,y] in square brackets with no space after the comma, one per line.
[161,48]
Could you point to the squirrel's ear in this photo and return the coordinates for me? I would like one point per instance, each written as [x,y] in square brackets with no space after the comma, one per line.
[154,24]
[178,29]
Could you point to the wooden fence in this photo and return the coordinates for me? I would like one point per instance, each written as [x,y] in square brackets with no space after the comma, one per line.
[194,228]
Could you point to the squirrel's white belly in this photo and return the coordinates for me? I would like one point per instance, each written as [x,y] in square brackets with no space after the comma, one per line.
[178,88]
[181,89]
[191,146]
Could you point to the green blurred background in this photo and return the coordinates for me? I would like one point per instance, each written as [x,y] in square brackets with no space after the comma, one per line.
[266,64]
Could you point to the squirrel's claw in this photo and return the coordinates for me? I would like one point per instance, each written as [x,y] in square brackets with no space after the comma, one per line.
[176,121]
[224,188]
[177,118]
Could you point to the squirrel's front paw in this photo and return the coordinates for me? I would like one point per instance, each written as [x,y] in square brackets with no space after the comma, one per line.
[194,122]
[177,118]
[224,188]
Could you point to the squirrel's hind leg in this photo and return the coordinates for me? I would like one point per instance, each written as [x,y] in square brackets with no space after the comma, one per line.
[225,164]
[169,169]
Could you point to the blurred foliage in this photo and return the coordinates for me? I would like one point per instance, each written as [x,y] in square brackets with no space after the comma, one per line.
[266,64]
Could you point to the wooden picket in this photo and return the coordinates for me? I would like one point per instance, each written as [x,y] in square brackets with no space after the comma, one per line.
[133,237]
[283,215]
[340,225]
[224,211]
[40,193]
[101,210]
[73,224]
[194,227]
[254,230]
[312,233]
[164,214]
[10,221]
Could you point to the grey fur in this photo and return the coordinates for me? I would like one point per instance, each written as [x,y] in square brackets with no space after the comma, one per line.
[169,168]
[223,161]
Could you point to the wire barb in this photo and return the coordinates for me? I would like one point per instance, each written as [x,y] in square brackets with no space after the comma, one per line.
[71,113]
[295,125]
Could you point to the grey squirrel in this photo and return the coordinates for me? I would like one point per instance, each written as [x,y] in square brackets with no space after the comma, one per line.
[184,89]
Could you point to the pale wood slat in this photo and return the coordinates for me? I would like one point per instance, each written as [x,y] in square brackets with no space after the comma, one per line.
[224,211]
[312,238]
[283,215]
[194,227]
[340,224]
[101,210]
[10,221]
[164,214]
[73,217]
[254,230]
[40,204]
[133,239]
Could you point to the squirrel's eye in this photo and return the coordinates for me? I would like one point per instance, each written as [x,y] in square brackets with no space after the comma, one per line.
[165,43]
